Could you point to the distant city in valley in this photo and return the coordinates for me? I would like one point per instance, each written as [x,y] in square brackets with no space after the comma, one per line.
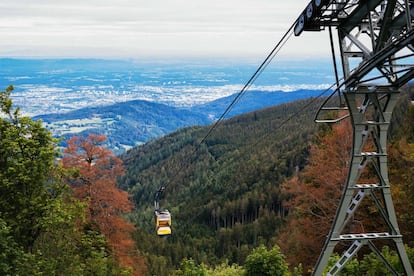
[74,96]
[43,86]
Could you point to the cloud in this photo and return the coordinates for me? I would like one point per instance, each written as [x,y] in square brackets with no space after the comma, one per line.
[128,28]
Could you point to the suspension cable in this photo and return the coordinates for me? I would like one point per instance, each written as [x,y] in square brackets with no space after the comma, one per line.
[252,79]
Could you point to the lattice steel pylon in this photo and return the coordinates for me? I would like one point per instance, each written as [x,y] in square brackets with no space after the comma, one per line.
[375,40]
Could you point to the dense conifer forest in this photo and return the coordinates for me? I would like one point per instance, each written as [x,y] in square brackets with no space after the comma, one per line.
[225,192]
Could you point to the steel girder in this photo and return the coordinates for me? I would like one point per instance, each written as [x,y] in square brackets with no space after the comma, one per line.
[376,40]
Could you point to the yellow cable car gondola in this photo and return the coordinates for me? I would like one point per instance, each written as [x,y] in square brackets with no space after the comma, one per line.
[162,218]
[163,222]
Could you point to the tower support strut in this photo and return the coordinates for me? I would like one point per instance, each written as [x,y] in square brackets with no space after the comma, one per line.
[370,111]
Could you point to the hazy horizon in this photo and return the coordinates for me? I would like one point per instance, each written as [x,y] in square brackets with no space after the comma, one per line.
[154,30]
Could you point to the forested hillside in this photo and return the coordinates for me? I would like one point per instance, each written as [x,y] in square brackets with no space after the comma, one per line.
[223,192]
[231,192]
[125,124]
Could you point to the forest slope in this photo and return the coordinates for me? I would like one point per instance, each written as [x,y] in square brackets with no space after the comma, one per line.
[223,192]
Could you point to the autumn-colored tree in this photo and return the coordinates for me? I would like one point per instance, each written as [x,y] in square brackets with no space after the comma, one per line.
[96,184]
[401,176]
[401,168]
[313,196]
[40,220]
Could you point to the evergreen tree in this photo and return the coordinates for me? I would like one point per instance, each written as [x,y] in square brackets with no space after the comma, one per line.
[27,154]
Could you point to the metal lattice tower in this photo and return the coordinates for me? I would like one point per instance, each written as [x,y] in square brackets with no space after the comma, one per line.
[375,40]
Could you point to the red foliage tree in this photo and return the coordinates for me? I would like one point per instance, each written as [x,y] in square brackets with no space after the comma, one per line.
[401,160]
[313,196]
[96,184]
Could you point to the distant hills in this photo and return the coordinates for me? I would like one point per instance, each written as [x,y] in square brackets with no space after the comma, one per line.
[131,123]
[135,101]
[125,124]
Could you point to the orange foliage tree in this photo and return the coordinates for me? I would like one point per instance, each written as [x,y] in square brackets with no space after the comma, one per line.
[106,204]
[312,197]
[401,176]
[401,166]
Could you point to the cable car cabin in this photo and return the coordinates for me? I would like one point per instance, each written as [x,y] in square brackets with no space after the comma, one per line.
[163,222]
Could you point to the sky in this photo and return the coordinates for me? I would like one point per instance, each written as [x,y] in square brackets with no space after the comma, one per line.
[154,29]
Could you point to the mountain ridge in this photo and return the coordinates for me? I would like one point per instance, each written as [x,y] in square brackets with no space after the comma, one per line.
[135,122]
[125,124]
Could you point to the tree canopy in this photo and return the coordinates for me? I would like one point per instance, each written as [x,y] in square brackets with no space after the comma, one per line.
[27,154]
[43,230]
[262,262]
